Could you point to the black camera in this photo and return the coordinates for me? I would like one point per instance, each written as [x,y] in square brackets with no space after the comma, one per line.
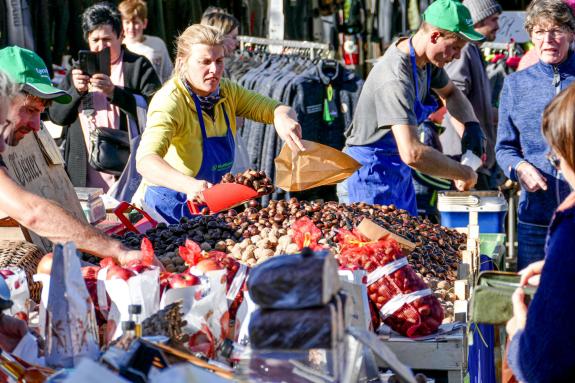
[95,62]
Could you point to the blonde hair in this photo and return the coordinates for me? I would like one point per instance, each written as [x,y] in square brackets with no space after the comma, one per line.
[195,34]
[426,27]
[131,9]
[225,22]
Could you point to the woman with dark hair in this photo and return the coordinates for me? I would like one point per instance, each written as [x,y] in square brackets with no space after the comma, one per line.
[101,100]
[543,337]
[520,147]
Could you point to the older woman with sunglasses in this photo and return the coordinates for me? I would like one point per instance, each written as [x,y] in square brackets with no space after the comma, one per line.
[543,337]
[520,148]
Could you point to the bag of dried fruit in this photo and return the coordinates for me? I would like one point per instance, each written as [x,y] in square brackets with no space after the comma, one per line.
[404,301]
[201,262]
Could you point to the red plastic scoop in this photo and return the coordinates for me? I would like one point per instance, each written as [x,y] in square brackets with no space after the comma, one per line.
[224,196]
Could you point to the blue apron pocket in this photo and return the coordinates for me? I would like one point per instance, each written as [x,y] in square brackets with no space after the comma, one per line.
[168,203]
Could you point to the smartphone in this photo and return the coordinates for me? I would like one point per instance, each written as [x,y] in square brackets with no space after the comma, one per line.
[94,62]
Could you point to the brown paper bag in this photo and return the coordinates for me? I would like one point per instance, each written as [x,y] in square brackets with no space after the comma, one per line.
[318,165]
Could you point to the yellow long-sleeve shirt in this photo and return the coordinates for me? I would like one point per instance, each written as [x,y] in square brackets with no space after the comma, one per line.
[173,129]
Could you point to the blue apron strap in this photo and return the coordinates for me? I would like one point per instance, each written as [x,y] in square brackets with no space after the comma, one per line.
[414,71]
[200,115]
[413,68]
[226,117]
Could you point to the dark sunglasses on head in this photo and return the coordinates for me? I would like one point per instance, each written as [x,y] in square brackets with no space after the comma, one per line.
[554,160]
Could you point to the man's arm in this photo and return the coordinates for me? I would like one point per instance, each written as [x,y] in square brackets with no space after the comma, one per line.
[458,106]
[428,160]
[49,220]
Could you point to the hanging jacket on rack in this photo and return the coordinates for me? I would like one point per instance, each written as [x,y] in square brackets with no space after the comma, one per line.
[19,23]
[391,18]
[156,25]
[298,19]
[41,14]
[178,15]
[325,97]
[301,83]
[3,25]
[311,100]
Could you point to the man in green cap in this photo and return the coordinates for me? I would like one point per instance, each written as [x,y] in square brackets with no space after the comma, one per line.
[396,98]
[34,91]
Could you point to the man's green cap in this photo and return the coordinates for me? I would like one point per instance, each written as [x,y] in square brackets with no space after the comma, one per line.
[27,69]
[453,16]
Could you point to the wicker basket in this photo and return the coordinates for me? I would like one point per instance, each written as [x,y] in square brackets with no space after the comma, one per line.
[25,256]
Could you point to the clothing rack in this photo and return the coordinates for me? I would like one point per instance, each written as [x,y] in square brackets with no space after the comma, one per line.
[277,46]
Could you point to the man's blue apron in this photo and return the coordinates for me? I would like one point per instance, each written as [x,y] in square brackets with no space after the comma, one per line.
[218,157]
[384,178]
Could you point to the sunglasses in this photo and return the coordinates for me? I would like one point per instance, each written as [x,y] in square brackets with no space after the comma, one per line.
[554,160]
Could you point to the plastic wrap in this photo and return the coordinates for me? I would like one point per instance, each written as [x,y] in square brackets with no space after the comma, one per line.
[201,261]
[403,300]
[294,281]
[294,329]
[18,284]
[71,332]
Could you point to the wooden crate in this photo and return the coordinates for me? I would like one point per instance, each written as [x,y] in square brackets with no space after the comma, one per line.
[446,353]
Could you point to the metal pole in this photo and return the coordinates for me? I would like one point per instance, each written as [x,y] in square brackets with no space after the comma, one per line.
[511,226]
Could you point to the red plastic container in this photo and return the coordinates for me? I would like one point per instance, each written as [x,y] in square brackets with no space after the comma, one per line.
[224,196]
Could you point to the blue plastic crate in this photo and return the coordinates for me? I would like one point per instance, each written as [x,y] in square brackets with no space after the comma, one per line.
[491,212]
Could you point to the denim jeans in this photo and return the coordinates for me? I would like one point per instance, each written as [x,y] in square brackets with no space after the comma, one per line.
[531,244]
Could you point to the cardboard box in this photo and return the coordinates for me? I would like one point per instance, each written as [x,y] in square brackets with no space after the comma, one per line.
[375,232]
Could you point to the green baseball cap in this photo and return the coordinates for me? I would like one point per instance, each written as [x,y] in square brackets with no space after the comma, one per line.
[453,16]
[26,68]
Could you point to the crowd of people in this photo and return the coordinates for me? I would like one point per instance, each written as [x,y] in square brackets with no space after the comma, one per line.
[187,140]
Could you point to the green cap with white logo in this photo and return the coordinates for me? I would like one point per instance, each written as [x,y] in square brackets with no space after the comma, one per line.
[26,68]
[453,16]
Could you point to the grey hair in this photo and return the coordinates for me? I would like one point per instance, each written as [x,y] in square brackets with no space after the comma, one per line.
[554,11]
[7,88]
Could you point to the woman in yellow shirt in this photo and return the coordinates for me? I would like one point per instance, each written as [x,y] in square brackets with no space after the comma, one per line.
[188,144]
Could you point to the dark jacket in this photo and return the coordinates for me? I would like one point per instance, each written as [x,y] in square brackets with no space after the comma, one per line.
[542,352]
[139,78]
[524,97]
[309,104]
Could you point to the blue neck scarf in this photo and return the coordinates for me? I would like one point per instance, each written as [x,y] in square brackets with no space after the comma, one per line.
[207,102]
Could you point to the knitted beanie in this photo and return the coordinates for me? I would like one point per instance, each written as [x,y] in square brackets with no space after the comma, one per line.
[482,9]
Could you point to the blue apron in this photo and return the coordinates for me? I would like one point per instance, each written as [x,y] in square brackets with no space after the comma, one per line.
[384,178]
[218,158]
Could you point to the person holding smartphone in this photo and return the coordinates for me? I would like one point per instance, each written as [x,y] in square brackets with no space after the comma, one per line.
[25,92]
[101,100]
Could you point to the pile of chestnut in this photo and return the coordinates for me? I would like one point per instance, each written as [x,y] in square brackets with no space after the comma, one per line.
[255,179]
